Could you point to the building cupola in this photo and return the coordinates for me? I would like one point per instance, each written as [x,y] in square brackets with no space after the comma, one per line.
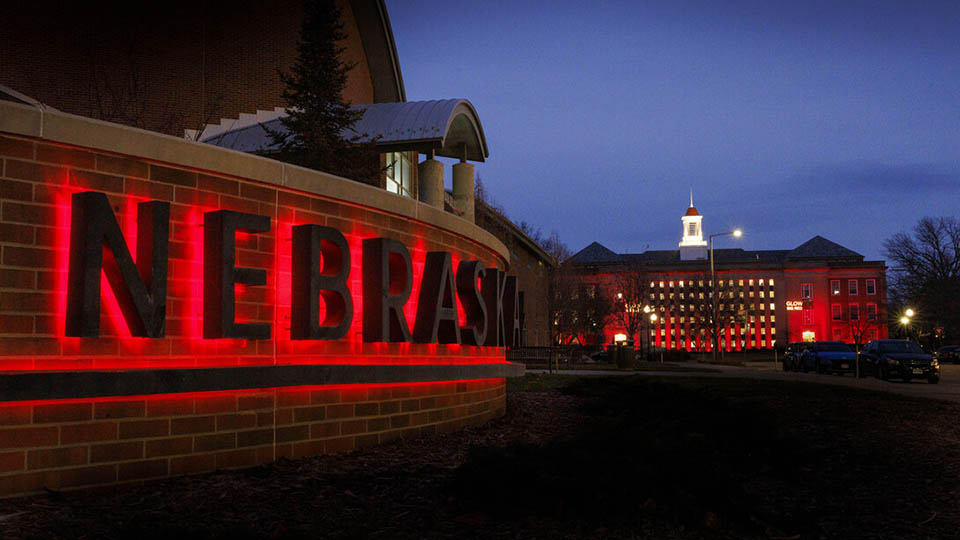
[692,245]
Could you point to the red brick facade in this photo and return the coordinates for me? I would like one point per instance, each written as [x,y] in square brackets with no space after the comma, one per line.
[68,443]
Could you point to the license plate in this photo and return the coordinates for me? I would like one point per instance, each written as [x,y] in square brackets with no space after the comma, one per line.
[844,366]
[917,370]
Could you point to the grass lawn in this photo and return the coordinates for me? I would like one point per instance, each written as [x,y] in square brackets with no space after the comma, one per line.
[733,458]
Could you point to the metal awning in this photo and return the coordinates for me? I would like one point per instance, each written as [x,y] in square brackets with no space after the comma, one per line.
[448,128]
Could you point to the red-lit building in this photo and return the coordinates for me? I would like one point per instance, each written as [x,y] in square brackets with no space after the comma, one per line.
[818,290]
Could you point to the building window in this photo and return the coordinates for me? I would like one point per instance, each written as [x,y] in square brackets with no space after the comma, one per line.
[852,287]
[871,312]
[835,287]
[837,334]
[808,316]
[871,285]
[692,229]
[836,312]
[854,312]
[399,174]
[806,291]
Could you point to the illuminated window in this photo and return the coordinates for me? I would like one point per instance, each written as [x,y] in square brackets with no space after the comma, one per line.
[852,286]
[806,291]
[761,294]
[671,284]
[771,294]
[760,282]
[871,312]
[399,173]
[740,282]
[773,318]
[835,287]
[700,283]
[836,312]
[661,284]
[681,283]
[807,316]
[750,283]
[871,286]
[771,305]
[854,312]
[771,282]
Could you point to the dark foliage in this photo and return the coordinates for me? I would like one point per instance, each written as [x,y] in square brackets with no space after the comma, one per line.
[319,130]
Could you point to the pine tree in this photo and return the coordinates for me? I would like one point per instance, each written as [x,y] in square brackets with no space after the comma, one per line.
[319,127]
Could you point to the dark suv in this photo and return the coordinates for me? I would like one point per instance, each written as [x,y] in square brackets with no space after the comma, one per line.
[898,358]
[829,357]
[791,358]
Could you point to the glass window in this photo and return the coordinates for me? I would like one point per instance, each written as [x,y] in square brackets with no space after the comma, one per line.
[854,312]
[806,291]
[871,312]
[852,286]
[871,285]
[692,229]
[835,287]
[808,316]
[399,174]
[836,312]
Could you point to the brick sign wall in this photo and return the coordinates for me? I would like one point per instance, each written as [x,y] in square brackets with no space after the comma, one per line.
[79,408]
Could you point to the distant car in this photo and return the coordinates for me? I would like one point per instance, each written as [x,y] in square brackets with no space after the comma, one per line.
[829,357]
[950,353]
[600,356]
[791,358]
[898,358]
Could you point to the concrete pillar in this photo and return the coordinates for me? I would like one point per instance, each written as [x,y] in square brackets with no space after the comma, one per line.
[463,189]
[430,178]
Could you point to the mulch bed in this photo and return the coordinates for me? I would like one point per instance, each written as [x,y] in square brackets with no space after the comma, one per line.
[619,457]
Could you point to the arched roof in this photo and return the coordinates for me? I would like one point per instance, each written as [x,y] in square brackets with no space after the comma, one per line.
[448,127]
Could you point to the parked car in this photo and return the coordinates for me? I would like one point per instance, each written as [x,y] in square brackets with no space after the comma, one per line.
[600,356]
[829,357]
[898,358]
[950,353]
[791,358]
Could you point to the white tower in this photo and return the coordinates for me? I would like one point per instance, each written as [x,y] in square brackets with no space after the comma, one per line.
[692,245]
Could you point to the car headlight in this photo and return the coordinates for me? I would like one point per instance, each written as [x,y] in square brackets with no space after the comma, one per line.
[934,363]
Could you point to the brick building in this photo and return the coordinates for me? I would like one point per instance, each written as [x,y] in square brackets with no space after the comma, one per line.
[818,290]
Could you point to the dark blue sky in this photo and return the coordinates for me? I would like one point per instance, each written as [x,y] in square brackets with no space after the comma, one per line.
[788,119]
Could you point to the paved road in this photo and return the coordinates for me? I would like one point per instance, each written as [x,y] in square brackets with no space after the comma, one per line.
[948,389]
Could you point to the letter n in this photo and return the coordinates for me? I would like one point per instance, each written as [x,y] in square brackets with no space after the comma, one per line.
[140,288]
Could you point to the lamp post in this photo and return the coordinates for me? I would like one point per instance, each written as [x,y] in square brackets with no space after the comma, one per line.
[653,320]
[736,233]
[905,322]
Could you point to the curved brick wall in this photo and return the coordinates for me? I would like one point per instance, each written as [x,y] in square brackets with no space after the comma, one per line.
[113,409]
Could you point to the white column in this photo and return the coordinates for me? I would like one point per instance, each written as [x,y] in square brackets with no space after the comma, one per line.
[463,190]
[430,173]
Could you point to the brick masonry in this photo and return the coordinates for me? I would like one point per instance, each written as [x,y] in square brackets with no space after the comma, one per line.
[67,444]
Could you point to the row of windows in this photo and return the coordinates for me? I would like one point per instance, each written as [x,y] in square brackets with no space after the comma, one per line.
[806,289]
[744,330]
[709,283]
[702,296]
[836,312]
[693,319]
[869,334]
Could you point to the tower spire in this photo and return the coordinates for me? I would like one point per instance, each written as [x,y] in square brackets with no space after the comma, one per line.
[691,197]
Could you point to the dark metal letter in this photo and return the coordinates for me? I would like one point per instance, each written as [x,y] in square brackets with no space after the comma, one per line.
[475,331]
[437,306]
[387,282]
[93,226]
[492,288]
[321,266]
[220,274]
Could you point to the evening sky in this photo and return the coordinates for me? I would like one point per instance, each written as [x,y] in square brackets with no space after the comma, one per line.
[787,118]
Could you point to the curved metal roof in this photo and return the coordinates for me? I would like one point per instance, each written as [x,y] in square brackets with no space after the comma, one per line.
[448,127]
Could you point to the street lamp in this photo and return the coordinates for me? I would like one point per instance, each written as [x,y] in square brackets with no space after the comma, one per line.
[736,233]
[905,322]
